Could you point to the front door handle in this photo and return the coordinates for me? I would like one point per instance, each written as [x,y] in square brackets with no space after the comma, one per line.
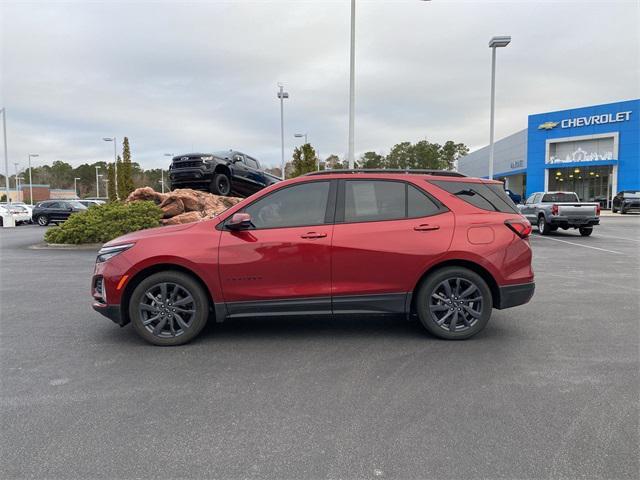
[313,235]
[425,227]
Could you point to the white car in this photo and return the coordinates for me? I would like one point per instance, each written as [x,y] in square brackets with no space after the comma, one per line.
[26,206]
[18,212]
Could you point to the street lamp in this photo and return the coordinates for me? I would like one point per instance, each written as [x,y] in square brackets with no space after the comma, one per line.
[282,95]
[115,161]
[6,156]
[495,42]
[31,155]
[300,135]
[162,171]
[97,182]
[352,85]
[75,186]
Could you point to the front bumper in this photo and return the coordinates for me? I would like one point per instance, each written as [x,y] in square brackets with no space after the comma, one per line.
[112,312]
[514,295]
[190,175]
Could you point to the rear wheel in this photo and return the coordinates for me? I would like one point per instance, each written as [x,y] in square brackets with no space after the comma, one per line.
[585,231]
[168,308]
[614,210]
[43,220]
[221,184]
[543,226]
[454,303]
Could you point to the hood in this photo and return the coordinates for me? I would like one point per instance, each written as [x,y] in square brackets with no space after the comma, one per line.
[150,232]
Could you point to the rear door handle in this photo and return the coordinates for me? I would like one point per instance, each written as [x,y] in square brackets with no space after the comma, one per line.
[425,227]
[313,235]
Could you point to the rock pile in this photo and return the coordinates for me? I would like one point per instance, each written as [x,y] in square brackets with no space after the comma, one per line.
[184,205]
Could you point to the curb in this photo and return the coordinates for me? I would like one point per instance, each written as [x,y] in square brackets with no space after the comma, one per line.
[66,246]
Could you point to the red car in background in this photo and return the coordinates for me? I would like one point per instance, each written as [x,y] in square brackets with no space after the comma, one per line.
[442,246]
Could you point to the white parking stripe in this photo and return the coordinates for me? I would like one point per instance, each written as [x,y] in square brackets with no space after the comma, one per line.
[580,245]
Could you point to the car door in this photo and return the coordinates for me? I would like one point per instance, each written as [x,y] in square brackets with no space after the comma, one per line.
[529,210]
[54,210]
[240,173]
[282,264]
[387,234]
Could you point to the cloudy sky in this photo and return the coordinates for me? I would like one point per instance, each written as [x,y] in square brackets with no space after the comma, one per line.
[179,76]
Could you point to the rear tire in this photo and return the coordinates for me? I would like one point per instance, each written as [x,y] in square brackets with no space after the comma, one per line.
[543,226]
[42,220]
[177,313]
[221,184]
[466,303]
[614,210]
[585,231]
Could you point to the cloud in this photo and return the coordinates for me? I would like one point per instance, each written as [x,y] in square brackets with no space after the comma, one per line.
[177,77]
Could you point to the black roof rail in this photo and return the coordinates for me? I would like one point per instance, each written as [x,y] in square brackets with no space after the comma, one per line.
[442,173]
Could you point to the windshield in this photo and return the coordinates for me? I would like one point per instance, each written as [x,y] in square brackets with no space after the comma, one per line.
[560,197]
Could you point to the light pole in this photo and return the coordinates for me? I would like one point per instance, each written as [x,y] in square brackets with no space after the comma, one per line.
[75,186]
[352,85]
[282,95]
[6,156]
[162,171]
[495,42]
[300,135]
[97,182]
[115,161]
[15,164]
[31,155]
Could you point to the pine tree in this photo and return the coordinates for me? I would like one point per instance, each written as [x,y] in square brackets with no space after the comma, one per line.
[111,185]
[305,160]
[125,182]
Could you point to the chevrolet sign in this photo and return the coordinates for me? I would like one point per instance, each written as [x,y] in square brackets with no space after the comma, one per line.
[596,120]
[547,125]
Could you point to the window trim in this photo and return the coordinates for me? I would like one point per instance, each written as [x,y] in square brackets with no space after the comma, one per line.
[341,201]
[329,214]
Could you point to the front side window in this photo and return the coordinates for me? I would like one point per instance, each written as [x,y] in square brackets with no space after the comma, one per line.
[296,206]
[251,163]
[52,205]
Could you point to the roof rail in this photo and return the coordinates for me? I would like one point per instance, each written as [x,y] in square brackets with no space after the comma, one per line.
[442,173]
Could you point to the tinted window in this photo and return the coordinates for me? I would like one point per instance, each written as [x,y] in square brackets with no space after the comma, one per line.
[52,205]
[485,196]
[303,204]
[75,204]
[251,163]
[418,204]
[374,200]
[560,197]
[530,199]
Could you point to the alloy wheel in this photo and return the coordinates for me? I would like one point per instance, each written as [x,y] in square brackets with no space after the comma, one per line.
[456,304]
[167,310]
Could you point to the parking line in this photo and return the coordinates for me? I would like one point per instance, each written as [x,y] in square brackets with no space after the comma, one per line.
[580,245]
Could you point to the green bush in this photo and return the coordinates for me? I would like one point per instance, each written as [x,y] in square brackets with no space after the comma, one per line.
[102,223]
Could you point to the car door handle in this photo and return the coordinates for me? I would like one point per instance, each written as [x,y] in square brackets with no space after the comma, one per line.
[425,227]
[313,235]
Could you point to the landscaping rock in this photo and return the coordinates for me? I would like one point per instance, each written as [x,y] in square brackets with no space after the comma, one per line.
[187,217]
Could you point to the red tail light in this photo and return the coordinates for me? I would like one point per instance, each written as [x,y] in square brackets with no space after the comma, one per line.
[598,210]
[522,228]
[554,209]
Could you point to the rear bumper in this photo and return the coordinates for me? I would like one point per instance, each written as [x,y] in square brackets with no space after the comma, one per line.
[112,312]
[574,222]
[514,295]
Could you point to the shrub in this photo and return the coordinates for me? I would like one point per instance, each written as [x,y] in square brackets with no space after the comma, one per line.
[102,223]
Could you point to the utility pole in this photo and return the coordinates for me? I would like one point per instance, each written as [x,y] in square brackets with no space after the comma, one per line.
[97,182]
[352,86]
[31,179]
[6,156]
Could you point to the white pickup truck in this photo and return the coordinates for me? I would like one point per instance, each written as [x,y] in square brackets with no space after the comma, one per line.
[553,210]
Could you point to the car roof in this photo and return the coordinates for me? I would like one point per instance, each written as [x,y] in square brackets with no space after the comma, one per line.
[398,174]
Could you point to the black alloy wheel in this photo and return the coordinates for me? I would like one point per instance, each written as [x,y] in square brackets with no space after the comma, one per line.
[585,231]
[454,303]
[221,184]
[168,308]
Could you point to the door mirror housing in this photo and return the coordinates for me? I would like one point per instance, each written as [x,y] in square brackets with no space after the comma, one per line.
[239,221]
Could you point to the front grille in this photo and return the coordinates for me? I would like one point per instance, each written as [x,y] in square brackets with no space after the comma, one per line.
[187,164]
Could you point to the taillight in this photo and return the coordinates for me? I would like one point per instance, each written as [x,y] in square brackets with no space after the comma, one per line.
[522,228]
[597,210]
[554,209]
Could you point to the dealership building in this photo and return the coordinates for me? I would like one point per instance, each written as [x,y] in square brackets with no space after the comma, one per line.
[593,151]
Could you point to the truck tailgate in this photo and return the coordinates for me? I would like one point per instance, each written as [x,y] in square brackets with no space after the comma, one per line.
[576,210]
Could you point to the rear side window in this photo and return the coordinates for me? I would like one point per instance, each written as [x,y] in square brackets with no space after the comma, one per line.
[418,204]
[560,197]
[490,197]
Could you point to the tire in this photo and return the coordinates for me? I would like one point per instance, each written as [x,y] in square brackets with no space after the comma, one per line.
[623,211]
[42,220]
[585,231]
[181,292]
[543,226]
[614,210]
[221,184]
[432,303]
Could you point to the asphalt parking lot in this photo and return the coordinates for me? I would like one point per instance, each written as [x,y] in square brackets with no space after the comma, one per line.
[548,390]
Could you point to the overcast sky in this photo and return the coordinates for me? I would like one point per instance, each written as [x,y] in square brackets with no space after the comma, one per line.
[201,76]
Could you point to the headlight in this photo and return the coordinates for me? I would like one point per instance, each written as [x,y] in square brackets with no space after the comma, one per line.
[206,159]
[106,253]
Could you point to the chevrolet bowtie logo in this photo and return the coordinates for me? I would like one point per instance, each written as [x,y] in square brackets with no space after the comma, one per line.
[548,125]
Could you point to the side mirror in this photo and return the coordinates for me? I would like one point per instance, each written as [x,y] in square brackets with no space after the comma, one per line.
[239,221]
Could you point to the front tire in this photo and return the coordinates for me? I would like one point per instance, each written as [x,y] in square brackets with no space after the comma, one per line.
[585,231]
[454,303]
[543,226]
[42,220]
[221,184]
[168,308]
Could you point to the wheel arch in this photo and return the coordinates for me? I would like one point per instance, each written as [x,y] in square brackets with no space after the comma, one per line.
[150,270]
[222,168]
[470,265]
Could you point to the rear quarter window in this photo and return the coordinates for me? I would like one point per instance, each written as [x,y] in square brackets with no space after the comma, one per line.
[485,196]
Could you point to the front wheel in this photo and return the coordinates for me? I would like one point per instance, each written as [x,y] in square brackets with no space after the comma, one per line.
[543,226]
[221,184]
[43,220]
[585,231]
[454,303]
[614,210]
[168,308]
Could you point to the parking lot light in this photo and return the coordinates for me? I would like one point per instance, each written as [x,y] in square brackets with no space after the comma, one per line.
[115,161]
[97,182]
[31,155]
[75,187]
[495,42]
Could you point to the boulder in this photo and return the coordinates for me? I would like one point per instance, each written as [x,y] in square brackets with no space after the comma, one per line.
[172,207]
[146,193]
[187,217]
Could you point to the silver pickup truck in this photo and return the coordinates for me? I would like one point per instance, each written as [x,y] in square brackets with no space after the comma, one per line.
[553,210]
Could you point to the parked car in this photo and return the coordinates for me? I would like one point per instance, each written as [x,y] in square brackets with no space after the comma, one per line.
[438,245]
[27,207]
[19,211]
[222,173]
[626,201]
[90,203]
[55,211]
[553,210]
[515,197]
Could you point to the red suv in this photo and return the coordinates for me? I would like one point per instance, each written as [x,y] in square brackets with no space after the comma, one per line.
[439,245]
